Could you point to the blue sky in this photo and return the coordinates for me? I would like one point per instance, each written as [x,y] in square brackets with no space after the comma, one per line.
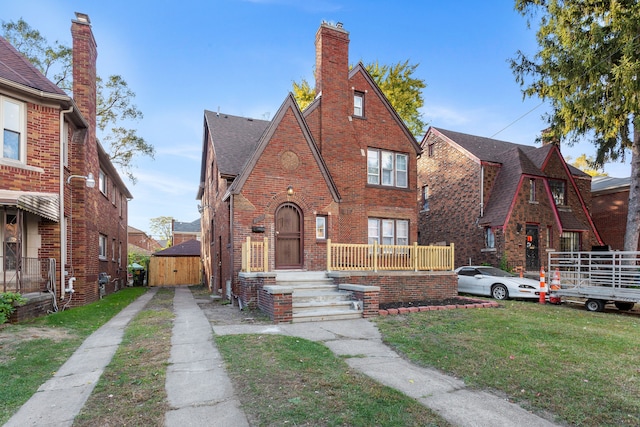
[241,57]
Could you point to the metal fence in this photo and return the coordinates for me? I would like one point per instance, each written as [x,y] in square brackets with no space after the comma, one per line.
[24,275]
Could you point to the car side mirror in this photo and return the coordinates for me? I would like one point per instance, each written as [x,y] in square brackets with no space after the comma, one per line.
[478,276]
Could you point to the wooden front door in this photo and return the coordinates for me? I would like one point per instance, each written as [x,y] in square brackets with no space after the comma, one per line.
[288,237]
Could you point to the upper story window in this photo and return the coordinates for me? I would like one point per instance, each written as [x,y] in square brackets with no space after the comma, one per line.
[102,182]
[425,197]
[559,191]
[12,123]
[358,104]
[532,190]
[387,168]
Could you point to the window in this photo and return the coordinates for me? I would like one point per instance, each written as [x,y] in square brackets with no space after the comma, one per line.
[358,104]
[430,150]
[549,237]
[558,191]
[387,168]
[102,182]
[102,247]
[119,254]
[321,227]
[12,123]
[532,190]
[489,238]
[425,197]
[570,241]
[9,234]
[113,250]
[388,231]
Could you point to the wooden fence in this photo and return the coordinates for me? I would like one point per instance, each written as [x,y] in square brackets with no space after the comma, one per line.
[172,271]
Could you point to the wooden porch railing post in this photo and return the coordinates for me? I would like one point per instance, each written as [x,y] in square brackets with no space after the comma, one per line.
[375,256]
[415,256]
[248,254]
[453,258]
[265,252]
[328,254]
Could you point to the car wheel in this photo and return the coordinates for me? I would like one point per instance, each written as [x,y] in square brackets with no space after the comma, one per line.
[594,305]
[500,292]
[623,305]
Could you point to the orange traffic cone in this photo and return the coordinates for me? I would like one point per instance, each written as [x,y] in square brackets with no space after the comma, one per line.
[543,287]
[555,286]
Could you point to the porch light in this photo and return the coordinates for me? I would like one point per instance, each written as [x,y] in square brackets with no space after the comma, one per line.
[290,190]
[89,180]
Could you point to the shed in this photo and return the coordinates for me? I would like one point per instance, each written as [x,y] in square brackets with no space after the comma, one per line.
[176,266]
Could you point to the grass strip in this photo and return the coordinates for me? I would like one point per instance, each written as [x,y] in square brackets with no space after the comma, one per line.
[131,391]
[583,367]
[32,351]
[285,380]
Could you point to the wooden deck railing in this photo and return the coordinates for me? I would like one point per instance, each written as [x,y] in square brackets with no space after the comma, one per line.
[255,255]
[376,257]
[362,257]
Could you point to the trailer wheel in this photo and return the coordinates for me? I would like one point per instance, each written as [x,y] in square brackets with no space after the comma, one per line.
[623,305]
[594,305]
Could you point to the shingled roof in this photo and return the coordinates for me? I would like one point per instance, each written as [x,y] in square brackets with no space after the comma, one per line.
[188,248]
[16,68]
[234,139]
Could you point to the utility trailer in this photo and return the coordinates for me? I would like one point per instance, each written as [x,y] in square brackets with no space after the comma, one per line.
[598,277]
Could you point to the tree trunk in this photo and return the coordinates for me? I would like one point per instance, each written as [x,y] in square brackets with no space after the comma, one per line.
[633,215]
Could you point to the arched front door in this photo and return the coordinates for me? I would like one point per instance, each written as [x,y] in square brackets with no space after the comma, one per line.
[289,236]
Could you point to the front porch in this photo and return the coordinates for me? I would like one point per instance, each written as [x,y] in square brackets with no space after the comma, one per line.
[358,279]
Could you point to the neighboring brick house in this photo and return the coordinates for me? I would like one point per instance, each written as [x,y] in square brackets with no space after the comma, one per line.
[501,203]
[48,158]
[141,242]
[609,207]
[344,169]
[184,231]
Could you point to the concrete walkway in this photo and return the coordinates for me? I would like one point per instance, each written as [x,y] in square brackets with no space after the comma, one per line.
[200,392]
[59,400]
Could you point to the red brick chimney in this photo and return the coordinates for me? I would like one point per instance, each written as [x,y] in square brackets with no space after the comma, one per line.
[84,159]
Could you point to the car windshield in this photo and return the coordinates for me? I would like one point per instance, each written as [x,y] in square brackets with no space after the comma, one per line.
[492,271]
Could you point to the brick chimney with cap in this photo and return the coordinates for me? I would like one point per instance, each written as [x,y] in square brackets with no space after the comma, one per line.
[83,158]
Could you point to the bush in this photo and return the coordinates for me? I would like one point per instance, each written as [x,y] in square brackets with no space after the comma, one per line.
[8,303]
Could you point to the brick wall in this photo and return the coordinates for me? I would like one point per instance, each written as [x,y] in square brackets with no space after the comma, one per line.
[609,213]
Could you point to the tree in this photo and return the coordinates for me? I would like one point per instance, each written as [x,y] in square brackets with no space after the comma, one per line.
[587,68]
[587,165]
[162,226]
[396,82]
[114,97]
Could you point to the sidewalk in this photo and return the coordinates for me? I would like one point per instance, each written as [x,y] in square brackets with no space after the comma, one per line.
[200,393]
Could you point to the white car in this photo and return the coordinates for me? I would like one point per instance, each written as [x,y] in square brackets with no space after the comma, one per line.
[496,283]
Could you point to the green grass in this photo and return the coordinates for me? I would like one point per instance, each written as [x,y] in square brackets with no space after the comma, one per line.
[583,367]
[28,359]
[285,380]
[131,391]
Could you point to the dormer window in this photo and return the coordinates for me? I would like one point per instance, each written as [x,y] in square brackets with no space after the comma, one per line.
[358,104]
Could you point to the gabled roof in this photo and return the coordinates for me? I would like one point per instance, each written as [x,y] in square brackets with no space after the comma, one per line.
[16,68]
[187,227]
[605,184]
[188,248]
[360,68]
[288,104]
[234,139]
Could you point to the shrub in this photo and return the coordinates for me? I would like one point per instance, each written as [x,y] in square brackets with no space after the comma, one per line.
[8,303]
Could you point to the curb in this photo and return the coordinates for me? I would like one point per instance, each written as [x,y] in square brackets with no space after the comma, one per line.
[406,310]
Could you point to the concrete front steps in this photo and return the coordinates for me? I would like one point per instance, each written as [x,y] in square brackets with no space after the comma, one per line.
[316,298]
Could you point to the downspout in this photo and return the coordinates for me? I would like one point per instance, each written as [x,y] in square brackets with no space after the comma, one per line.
[231,257]
[63,227]
[481,190]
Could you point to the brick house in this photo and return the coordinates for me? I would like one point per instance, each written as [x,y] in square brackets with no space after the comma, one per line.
[501,203]
[342,170]
[609,207]
[57,232]
[184,231]
[140,242]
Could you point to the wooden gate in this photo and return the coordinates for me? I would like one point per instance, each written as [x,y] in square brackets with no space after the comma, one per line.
[174,271]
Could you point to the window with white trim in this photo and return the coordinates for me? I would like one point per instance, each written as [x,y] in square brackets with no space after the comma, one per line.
[321,227]
[387,168]
[388,231]
[13,125]
[489,238]
[358,104]
[102,247]
[102,182]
